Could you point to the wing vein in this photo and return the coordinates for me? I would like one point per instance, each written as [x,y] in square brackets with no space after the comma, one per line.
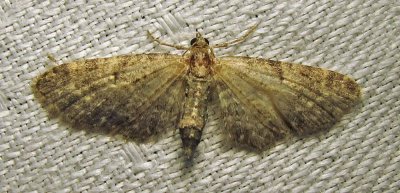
[248,103]
[151,100]
[89,91]
[256,83]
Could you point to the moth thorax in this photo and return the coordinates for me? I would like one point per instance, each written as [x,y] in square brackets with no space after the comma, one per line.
[200,63]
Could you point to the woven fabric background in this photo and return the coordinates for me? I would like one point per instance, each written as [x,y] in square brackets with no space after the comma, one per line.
[360,38]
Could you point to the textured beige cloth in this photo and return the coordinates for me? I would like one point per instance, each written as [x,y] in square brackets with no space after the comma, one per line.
[360,38]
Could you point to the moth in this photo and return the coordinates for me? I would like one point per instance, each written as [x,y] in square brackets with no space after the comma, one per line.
[140,96]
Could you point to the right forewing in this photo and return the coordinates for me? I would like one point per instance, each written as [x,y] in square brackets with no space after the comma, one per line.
[264,101]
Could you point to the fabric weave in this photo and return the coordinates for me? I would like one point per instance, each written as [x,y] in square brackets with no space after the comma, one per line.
[359,38]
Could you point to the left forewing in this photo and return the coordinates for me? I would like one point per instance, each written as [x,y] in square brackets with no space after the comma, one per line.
[135,96]
[263,101]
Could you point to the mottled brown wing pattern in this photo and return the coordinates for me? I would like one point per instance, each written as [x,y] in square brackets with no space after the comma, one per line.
[264,101]
[136,96]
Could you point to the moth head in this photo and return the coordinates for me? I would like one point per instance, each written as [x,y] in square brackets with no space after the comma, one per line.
[199,41]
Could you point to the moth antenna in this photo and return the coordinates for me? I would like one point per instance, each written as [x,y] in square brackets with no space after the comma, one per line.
[178,47]
[237,40]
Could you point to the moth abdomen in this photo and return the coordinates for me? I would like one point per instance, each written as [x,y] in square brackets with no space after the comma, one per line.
[191,137]
[194,114]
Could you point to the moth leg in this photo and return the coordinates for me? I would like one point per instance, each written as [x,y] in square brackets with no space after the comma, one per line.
[179,47]
[238,40]
[51,60]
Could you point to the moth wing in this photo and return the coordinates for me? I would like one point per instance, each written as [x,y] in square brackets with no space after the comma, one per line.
[264,101]
[136,96]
